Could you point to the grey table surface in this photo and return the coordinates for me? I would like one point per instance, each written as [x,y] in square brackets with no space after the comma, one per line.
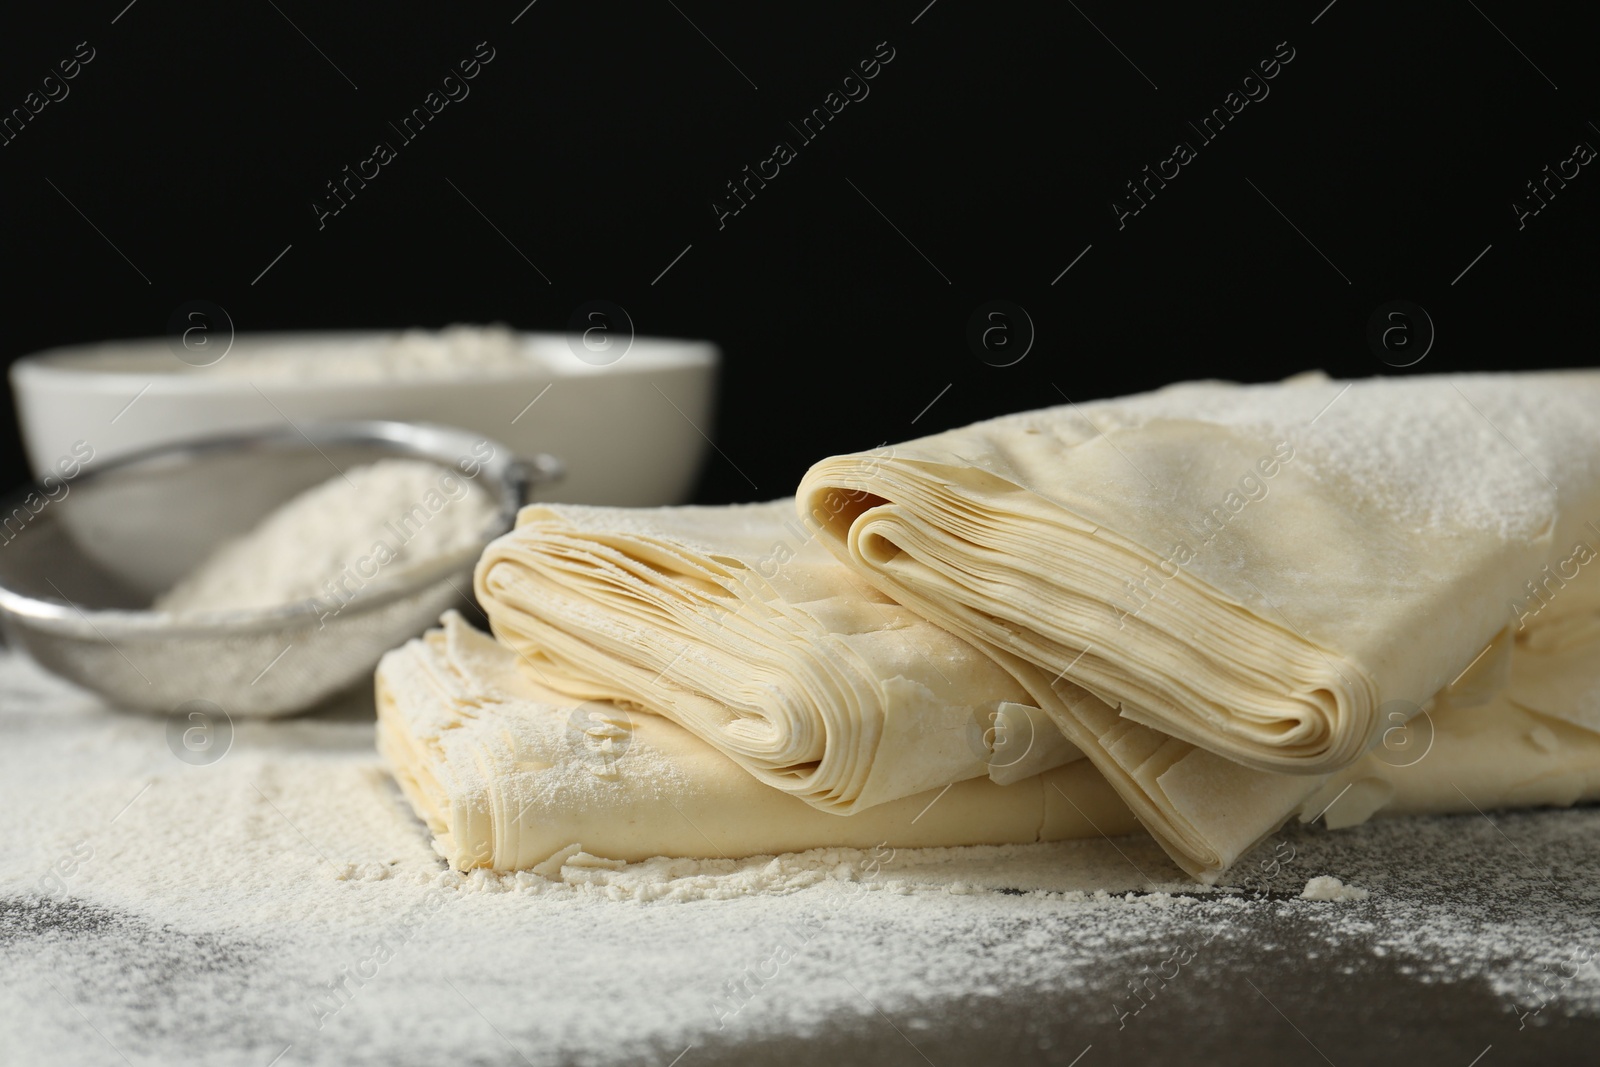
[90,976]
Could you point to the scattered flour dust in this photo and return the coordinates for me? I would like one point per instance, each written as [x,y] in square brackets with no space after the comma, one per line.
[284,897]
[379,519]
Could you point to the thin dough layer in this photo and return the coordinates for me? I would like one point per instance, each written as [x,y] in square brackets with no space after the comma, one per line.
[1221,593]
[508,774]
[734,623]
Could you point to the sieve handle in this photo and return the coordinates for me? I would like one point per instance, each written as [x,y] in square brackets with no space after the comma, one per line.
[526,475]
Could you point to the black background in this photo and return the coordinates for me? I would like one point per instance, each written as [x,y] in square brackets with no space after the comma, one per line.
[1385,159]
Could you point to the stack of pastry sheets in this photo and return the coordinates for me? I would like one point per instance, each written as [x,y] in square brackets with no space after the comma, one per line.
[1206,609]
[509,774]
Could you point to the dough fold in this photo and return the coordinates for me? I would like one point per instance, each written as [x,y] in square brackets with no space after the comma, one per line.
[1533,743]
[508,775]
[734,623]
[1225,593]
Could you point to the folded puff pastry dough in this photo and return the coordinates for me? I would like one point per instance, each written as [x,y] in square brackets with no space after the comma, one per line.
[1221,592]
[1534,742]
[734,623]
[509,775]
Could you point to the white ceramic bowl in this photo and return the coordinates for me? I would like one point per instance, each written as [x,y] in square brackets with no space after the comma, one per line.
[631,433]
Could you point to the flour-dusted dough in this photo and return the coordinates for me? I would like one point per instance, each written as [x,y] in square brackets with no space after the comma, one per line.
[1226,588]
[1533,743]
[736,624]
[508,775]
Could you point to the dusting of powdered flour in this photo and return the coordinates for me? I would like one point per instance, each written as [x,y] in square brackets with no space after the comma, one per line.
[382,518]
[1472,451]
[283,902]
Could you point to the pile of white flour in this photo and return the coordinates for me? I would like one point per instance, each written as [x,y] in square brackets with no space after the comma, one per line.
[382,519]
[282,901]
[455,351]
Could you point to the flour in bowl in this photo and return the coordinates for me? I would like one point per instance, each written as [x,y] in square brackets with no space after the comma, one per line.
[372,522]
[455,351]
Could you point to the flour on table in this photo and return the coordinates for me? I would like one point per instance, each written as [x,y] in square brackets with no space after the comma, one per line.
[374,521]
[285,896]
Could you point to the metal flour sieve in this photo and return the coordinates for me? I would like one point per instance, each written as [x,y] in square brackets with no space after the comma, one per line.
[81,562]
